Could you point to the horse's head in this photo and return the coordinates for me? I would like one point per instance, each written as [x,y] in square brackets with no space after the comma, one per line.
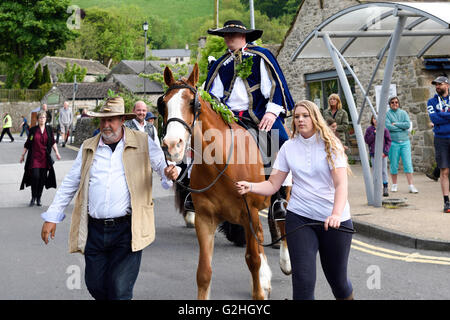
[179,107]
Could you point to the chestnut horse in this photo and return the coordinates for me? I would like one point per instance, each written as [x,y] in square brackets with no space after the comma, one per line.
[187,116]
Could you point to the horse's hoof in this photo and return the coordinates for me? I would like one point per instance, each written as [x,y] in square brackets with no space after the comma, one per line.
[189,218]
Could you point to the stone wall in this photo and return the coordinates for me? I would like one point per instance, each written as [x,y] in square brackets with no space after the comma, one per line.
[412,80]
[16,110]
[83,130]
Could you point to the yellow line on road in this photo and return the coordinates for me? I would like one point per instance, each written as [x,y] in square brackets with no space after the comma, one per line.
[397,255]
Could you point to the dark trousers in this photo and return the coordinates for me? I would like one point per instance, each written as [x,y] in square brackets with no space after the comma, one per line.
[24,130]
[111,267]
[333,247]
[38,181]
[7,131]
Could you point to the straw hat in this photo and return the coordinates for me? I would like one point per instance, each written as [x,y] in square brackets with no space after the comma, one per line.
[112,107]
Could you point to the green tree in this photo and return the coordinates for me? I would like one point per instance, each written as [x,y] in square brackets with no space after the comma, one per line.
[29,30]
[109,36]
[215,46]
[46,78]
[275,8]
[70,72]
[37,78]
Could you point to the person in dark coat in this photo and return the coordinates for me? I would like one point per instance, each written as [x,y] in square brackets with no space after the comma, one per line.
[39,170]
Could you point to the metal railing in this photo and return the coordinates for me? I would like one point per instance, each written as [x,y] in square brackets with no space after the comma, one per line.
[13,95]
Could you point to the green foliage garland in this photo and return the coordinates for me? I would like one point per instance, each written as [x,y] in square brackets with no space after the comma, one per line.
[244,68]
[226,114]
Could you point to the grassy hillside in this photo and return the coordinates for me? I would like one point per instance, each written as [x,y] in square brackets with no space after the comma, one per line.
[182,16]
[174,10]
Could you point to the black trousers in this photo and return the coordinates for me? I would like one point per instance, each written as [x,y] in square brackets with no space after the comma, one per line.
[38,181]
[6,130]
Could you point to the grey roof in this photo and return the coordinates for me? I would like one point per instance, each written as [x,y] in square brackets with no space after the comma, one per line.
[135,84]
[170,53]
[93,67]
[88,90]
[137,67]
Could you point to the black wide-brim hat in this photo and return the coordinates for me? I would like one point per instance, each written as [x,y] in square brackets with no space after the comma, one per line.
[236,26]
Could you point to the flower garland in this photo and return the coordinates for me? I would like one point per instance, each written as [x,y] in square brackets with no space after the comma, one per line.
[226,114]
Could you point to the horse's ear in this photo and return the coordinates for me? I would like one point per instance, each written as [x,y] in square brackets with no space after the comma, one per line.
[193,78]
[168,77]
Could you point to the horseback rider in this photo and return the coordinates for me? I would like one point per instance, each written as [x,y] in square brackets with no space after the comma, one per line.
[249,80]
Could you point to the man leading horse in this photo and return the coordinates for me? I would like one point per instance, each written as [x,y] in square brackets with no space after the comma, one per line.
[249,80]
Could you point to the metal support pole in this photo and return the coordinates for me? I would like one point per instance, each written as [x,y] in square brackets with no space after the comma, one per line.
[145,62]
[354,115]
[379,140]
[252,15]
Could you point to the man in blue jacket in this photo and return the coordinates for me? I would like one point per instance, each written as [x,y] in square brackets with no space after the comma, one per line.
[439,111]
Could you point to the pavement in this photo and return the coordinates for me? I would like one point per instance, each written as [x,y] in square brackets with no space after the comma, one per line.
[420,224]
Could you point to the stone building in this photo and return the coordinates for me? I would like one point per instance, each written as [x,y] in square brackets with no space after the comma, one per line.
[57,65]
[316,78]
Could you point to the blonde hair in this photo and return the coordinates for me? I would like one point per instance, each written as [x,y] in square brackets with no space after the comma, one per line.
[333,144]
[335,96]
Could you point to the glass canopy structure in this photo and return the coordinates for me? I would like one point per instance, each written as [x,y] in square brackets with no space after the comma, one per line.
[377,29]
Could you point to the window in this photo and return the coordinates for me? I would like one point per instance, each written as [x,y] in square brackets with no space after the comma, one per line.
[321,84]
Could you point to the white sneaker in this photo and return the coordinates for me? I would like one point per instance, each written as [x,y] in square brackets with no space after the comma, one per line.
[413,189]
[394,188]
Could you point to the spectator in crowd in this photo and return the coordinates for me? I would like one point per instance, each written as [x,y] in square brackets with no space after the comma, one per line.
[336,112]
[7,124]
[24,125]
[369,137]
[398,124]
[140,123]
[48,113]
[439,111]
[39,171]
[65,122]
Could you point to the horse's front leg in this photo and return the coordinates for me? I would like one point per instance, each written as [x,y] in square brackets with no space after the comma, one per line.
[205,229]
[257,261]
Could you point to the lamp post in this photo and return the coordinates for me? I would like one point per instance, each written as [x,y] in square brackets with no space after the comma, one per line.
[145,27]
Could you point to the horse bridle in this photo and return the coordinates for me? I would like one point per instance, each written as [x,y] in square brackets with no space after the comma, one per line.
[190,129]
[196,106]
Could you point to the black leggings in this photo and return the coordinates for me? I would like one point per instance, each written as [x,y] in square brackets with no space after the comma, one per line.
[333,247]
[38,180]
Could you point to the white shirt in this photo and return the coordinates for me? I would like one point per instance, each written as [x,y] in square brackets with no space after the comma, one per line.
[238,100]
[109,196]
[313,190]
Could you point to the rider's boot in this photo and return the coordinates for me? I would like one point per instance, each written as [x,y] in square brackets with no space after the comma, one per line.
[188,204]
[278,205]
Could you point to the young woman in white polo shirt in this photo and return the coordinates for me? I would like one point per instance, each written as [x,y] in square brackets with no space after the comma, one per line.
[319,169]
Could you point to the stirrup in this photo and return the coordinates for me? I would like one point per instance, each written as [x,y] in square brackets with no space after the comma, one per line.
[279,211]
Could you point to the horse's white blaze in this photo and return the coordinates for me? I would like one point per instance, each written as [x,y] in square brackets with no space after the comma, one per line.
[265,276]
[175,130]
[285,260]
